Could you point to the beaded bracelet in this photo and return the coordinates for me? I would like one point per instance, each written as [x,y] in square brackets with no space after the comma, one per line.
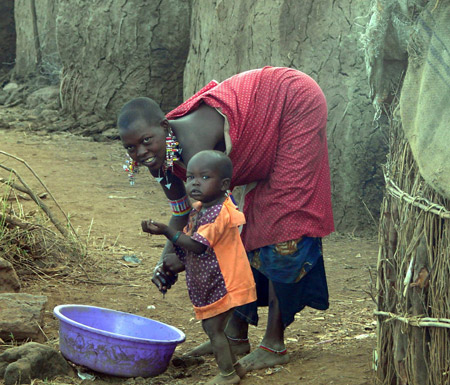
[180,206]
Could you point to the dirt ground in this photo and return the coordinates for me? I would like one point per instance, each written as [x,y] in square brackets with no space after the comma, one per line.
[87,179]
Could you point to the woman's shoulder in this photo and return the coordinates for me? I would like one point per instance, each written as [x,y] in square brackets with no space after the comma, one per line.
[206,119]
[202,129]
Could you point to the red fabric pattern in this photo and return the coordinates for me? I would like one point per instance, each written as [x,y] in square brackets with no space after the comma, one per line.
[277,118]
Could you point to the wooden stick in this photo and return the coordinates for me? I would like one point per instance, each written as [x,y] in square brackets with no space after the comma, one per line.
[416,321]
[15,221]
[395,191]
[37,200]
[43,185]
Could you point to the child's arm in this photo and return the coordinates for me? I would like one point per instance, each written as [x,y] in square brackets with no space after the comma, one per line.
[176,237]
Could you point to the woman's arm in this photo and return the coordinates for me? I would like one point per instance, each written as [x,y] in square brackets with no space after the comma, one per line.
[177,223]
[175,192]
[165,275]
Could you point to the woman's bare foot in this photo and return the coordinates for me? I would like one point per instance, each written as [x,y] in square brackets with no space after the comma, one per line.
[231,378]
[240,370]
[261,358]
[238,348]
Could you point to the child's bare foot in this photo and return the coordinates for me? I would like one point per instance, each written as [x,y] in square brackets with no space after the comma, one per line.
[231,378]
[238,347]
[262,358]
[240,370]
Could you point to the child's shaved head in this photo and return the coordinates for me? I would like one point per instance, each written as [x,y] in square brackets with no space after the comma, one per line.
[142,108]
[215,160]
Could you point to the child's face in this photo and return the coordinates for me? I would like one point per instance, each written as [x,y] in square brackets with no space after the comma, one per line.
[145,144]
[204,183]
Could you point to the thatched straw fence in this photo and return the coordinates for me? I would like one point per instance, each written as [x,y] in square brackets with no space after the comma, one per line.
[413,275]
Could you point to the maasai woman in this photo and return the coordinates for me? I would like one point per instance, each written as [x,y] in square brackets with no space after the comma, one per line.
[271,122]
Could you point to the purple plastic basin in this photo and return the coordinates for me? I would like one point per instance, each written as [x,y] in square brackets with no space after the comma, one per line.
[114,342]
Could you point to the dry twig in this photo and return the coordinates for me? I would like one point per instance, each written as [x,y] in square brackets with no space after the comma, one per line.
[27,190]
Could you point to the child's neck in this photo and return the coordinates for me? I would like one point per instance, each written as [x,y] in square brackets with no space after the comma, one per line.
[207,205]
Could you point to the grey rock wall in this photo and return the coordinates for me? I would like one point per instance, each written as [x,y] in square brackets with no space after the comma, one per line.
[322,39]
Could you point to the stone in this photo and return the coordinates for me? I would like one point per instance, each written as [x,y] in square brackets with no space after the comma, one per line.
[9,281]
[48,96]
[11,87]
[20,365]
[3,96]
[21,315]
[49,115]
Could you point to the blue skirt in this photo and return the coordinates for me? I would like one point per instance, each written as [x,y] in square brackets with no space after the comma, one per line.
[311,290]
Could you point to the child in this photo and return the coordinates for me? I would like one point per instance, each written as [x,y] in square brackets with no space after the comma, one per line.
[218,274]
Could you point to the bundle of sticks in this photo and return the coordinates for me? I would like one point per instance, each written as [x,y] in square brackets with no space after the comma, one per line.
[413,274]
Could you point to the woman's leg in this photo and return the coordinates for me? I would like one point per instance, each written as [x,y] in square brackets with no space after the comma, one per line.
[274,336]
[272,350]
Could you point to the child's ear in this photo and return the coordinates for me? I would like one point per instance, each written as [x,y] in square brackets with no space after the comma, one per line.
[225,184]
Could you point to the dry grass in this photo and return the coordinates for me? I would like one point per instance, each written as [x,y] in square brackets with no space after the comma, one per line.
[33,237]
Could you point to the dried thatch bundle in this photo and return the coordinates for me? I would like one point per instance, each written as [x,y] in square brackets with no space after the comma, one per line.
[413,296]
[32,247]
[28,240]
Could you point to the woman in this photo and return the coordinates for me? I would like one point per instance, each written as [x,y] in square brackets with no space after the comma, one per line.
[271,122]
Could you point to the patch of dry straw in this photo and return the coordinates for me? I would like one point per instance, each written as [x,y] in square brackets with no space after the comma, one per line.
[34,237]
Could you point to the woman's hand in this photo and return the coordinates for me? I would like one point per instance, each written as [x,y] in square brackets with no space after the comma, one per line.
[163,280]
[172,264]
[153,227]
[166,273]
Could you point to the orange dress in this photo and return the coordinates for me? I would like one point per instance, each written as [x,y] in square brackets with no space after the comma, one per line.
[220,278]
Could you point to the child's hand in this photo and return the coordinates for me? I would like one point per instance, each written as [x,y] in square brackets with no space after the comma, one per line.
[153,227]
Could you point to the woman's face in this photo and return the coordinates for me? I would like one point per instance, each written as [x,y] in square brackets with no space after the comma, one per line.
[145,144]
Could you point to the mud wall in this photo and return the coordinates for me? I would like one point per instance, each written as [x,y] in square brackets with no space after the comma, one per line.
[7,34]
[322,39]
[37,53]
[121,50]
[105,53]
